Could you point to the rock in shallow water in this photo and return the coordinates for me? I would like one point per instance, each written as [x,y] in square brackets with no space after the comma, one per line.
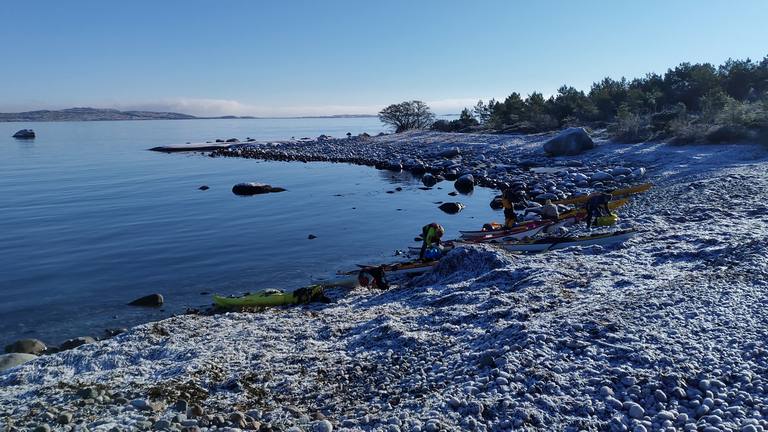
[452,207]
[464,184]
[24,134]
[254,189]
[150,300]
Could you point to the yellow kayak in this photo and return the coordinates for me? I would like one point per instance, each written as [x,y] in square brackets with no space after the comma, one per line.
[617,193]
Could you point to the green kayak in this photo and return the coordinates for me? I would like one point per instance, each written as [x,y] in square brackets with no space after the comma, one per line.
[272,297]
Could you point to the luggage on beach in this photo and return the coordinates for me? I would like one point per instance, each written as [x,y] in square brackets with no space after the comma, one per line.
[272,297]
[609,220]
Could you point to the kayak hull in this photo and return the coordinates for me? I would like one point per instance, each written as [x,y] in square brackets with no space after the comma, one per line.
[569,217]
[516,230]
[503,236]
[566,242]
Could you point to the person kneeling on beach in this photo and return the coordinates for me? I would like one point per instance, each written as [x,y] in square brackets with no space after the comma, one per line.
[373,276]
[430,235]
[598,206]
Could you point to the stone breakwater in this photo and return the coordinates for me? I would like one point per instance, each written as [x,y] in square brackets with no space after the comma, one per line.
[495,161]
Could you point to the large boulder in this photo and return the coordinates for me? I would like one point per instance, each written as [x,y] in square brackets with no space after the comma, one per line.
[600,176]
[450,153]
[254,189]
[8,361]
[465,183]
[24,134]
[26,346]
[451,207]
[546,196]
[620,170]
[151,300]
[569,142]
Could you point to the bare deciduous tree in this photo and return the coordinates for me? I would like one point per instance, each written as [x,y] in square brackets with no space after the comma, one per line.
[407,115]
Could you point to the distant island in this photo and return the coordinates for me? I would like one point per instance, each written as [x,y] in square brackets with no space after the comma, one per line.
[100,114]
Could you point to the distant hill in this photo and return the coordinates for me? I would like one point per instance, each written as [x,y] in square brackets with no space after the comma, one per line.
[95,114]
[99,114]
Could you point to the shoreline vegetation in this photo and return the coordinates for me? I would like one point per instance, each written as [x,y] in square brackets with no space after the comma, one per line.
[690,103]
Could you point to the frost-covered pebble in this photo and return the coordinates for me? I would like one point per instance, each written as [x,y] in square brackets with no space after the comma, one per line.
[323,426]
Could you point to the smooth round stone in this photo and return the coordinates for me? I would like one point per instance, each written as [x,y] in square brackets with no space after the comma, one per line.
[323,426]
[635,411]
[705,384]
[660,395]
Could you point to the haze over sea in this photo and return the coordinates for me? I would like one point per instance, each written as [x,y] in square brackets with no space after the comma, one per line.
[91,220]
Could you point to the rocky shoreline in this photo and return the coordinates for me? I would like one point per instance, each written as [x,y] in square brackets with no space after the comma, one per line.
[663,333]
[495,161]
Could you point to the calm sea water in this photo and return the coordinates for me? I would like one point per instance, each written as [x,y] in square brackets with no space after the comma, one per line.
[91,220]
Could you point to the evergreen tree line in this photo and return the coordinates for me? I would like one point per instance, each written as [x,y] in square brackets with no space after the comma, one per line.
[691,102]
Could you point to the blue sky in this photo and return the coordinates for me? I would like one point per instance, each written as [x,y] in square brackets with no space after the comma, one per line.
[331,57]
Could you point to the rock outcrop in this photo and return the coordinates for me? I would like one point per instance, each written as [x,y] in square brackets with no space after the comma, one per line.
[151,300]
[26,346]
[254,189]
[464,184]
[24,134]
[570,142]
[451,207]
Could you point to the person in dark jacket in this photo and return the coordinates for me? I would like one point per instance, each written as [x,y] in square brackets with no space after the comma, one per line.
[508,200]
[597,206]
[373,276]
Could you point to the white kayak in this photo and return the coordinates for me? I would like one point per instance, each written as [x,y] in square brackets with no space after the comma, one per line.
[502,236]
[551,243]
[506,236]
[475,235]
